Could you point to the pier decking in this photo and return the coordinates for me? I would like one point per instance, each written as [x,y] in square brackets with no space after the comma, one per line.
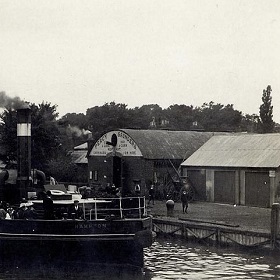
[213,223]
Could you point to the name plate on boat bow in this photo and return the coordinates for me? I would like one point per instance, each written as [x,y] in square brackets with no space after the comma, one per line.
[86,225]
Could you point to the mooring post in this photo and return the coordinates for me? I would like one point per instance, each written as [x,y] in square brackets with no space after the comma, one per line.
[274,223]
[170,208]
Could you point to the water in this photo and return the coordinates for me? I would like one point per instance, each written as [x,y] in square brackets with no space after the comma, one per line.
[166,259]
[178,260]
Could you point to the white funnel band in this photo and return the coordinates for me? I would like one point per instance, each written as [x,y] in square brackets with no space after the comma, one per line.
[24,129]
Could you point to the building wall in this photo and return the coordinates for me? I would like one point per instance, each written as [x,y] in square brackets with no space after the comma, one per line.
[224,186]
[151,161]
[134,169]
[210,186]
[257,191]
[145,171]
[242,188]
[198,180]
[251,187]
[97,169]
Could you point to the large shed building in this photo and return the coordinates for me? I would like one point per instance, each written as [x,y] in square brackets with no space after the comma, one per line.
[127,157]
[237,169]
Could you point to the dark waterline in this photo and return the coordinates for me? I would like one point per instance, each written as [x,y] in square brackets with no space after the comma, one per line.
[166,259]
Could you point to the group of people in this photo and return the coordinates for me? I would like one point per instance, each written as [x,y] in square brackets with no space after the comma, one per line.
[117,192]
[184,196]
[25,211]
[113,190]
[73,212]
[6,212]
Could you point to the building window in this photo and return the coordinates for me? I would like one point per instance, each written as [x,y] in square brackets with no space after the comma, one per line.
[90,175]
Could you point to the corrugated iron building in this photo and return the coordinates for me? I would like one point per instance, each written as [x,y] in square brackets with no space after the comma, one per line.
[79,154]
[128,156]
[79,157]
[238,169]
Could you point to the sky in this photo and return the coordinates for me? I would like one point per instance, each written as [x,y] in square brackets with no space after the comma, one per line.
[81,54]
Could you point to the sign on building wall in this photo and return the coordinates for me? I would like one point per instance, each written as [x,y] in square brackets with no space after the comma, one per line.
[115,141]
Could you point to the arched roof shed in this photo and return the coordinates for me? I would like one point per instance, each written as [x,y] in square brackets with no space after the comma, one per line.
[154,144]
[162,144]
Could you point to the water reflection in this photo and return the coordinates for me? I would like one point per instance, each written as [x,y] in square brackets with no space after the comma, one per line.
[71,271]
[166,259]
[177,260]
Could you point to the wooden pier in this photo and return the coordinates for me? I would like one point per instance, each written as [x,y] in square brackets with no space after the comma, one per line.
[219,233]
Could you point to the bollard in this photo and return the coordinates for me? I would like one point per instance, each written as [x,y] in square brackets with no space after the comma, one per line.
[170,207]
[274,223]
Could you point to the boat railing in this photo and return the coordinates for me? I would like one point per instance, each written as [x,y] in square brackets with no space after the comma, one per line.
[121,207]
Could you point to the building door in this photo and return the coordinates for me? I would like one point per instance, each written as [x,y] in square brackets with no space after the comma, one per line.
[117,171]
[257,189]
[224,186]
[198,179]
[114,171]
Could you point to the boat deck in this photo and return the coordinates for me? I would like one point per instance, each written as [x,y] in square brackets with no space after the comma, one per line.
[99,208]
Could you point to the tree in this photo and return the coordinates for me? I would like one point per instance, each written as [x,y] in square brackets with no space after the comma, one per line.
[8,134]
[180,117]
[74,128]
[143,117]
[74,119]
[266,110]
[63,169]
[108,117]
[250,123]
[217,117]
[46,141]
[44,133]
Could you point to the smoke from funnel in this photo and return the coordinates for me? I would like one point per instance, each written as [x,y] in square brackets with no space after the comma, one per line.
[78,132]
[11,103]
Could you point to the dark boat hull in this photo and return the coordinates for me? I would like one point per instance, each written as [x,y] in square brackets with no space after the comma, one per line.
[102,241]
[55,252]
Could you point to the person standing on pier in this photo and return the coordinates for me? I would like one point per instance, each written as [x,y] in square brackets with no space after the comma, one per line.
[184,200]
[152,195]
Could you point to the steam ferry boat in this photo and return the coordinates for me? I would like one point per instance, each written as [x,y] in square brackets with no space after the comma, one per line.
[110,230]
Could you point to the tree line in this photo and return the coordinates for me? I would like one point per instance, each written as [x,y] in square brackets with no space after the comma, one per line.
[53,137]
[208,117]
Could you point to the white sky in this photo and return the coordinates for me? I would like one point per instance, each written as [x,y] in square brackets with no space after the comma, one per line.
[80,54]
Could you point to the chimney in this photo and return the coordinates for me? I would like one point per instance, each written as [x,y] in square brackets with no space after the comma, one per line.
[23,149]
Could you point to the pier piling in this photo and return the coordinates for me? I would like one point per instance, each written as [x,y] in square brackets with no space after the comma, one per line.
[274,224]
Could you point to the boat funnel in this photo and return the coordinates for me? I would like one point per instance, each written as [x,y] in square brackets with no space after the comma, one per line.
[23,149]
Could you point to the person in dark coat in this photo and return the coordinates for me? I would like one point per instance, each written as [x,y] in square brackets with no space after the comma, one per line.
[3,212]
[152,194]
[30,212]
[184,200]
[137,190]
[75,211]
[48,207]
[21,210]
